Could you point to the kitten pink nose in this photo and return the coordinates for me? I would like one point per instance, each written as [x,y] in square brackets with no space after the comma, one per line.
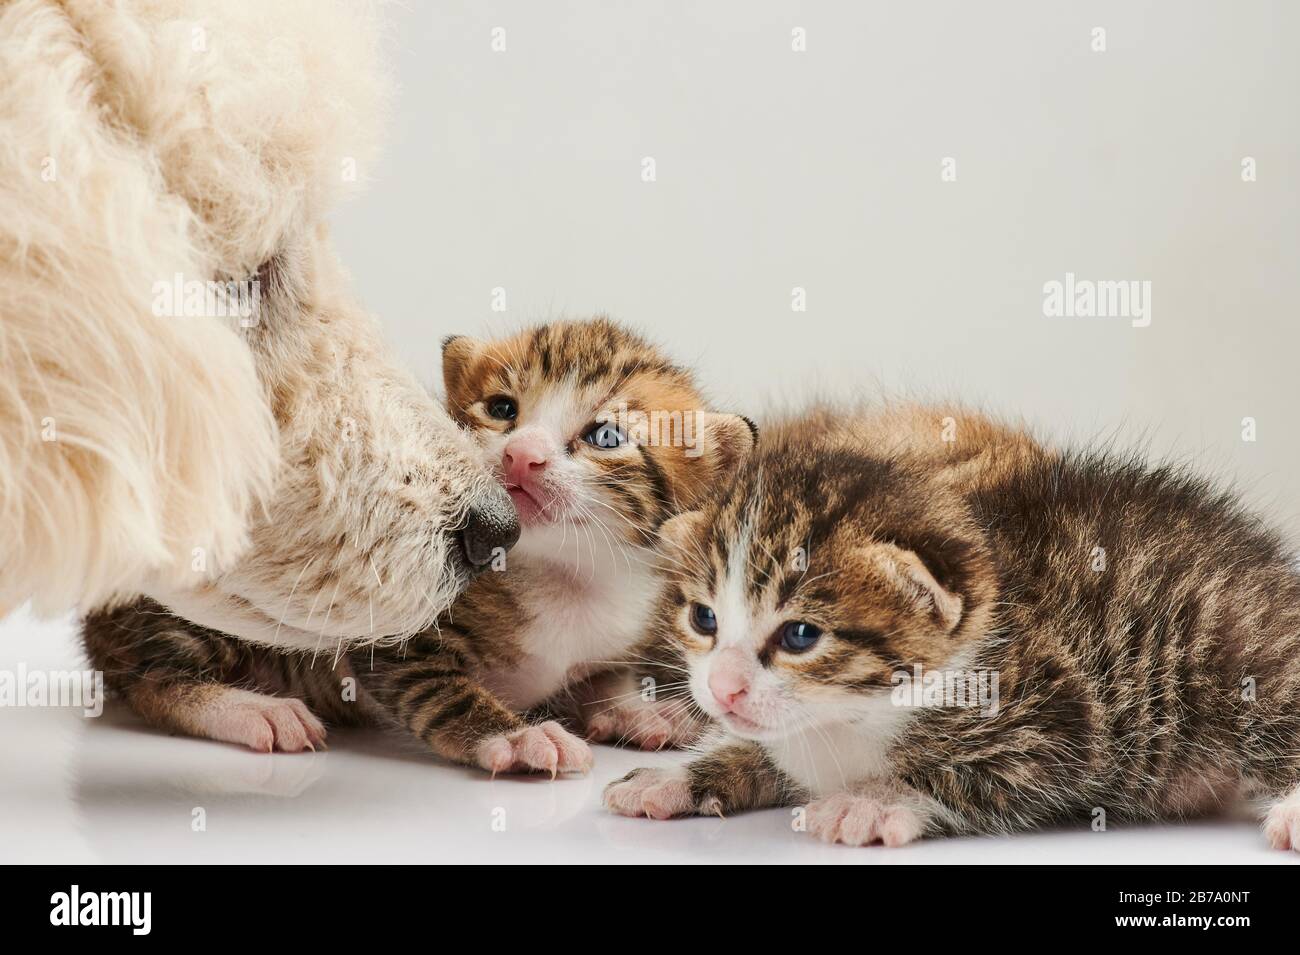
[727,684]
[524,459]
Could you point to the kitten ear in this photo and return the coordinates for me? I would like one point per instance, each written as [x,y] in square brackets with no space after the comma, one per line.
[728,440]
[459,352]
[906,570]
[678,530]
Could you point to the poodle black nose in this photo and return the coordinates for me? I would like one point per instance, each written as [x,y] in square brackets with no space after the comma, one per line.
[492,525]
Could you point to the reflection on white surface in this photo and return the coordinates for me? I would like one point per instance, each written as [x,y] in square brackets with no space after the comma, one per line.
[114,790]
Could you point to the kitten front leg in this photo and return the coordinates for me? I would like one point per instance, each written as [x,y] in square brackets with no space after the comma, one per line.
[733,777]
[185,678]
[425,686]
[616,707]
[884,811]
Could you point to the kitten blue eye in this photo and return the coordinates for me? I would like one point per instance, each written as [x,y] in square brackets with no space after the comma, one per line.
[502,408]
[704,620]
[605,435]
[797,636]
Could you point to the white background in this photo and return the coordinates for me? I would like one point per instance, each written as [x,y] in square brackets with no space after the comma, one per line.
[522,170]
[775,169]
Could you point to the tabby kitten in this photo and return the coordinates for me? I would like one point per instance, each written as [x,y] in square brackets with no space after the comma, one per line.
[1143,630]
[598,438]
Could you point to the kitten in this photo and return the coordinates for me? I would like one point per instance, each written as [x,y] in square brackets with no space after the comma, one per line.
[1143,630]
[598,438]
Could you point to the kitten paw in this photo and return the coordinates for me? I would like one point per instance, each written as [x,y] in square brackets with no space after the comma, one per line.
[653,793]
[545,748]
[260,722]
[860,820]
[645,726]
[1282,826]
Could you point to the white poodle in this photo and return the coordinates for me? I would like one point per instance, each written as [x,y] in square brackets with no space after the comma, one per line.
[248,453]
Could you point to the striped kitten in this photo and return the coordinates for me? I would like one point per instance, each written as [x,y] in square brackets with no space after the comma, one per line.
[598,439]
[1143,630]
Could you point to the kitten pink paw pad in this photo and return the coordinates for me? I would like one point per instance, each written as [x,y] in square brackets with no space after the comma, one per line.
[262,723]
[654,793]
[861,820]
[545,748]
[646,726]
[1282,826]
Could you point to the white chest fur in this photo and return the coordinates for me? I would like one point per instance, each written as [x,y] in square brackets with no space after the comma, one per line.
[584,615]
[833,758]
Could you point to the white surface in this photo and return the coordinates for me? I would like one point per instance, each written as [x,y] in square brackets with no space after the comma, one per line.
[112,790]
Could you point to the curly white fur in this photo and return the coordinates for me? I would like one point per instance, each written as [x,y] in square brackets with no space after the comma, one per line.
[357,542]
[138,141]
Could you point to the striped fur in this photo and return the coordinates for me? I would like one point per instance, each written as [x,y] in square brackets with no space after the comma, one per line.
[1144,629]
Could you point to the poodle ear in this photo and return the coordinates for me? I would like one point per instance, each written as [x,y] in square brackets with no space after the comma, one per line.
[459,352]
